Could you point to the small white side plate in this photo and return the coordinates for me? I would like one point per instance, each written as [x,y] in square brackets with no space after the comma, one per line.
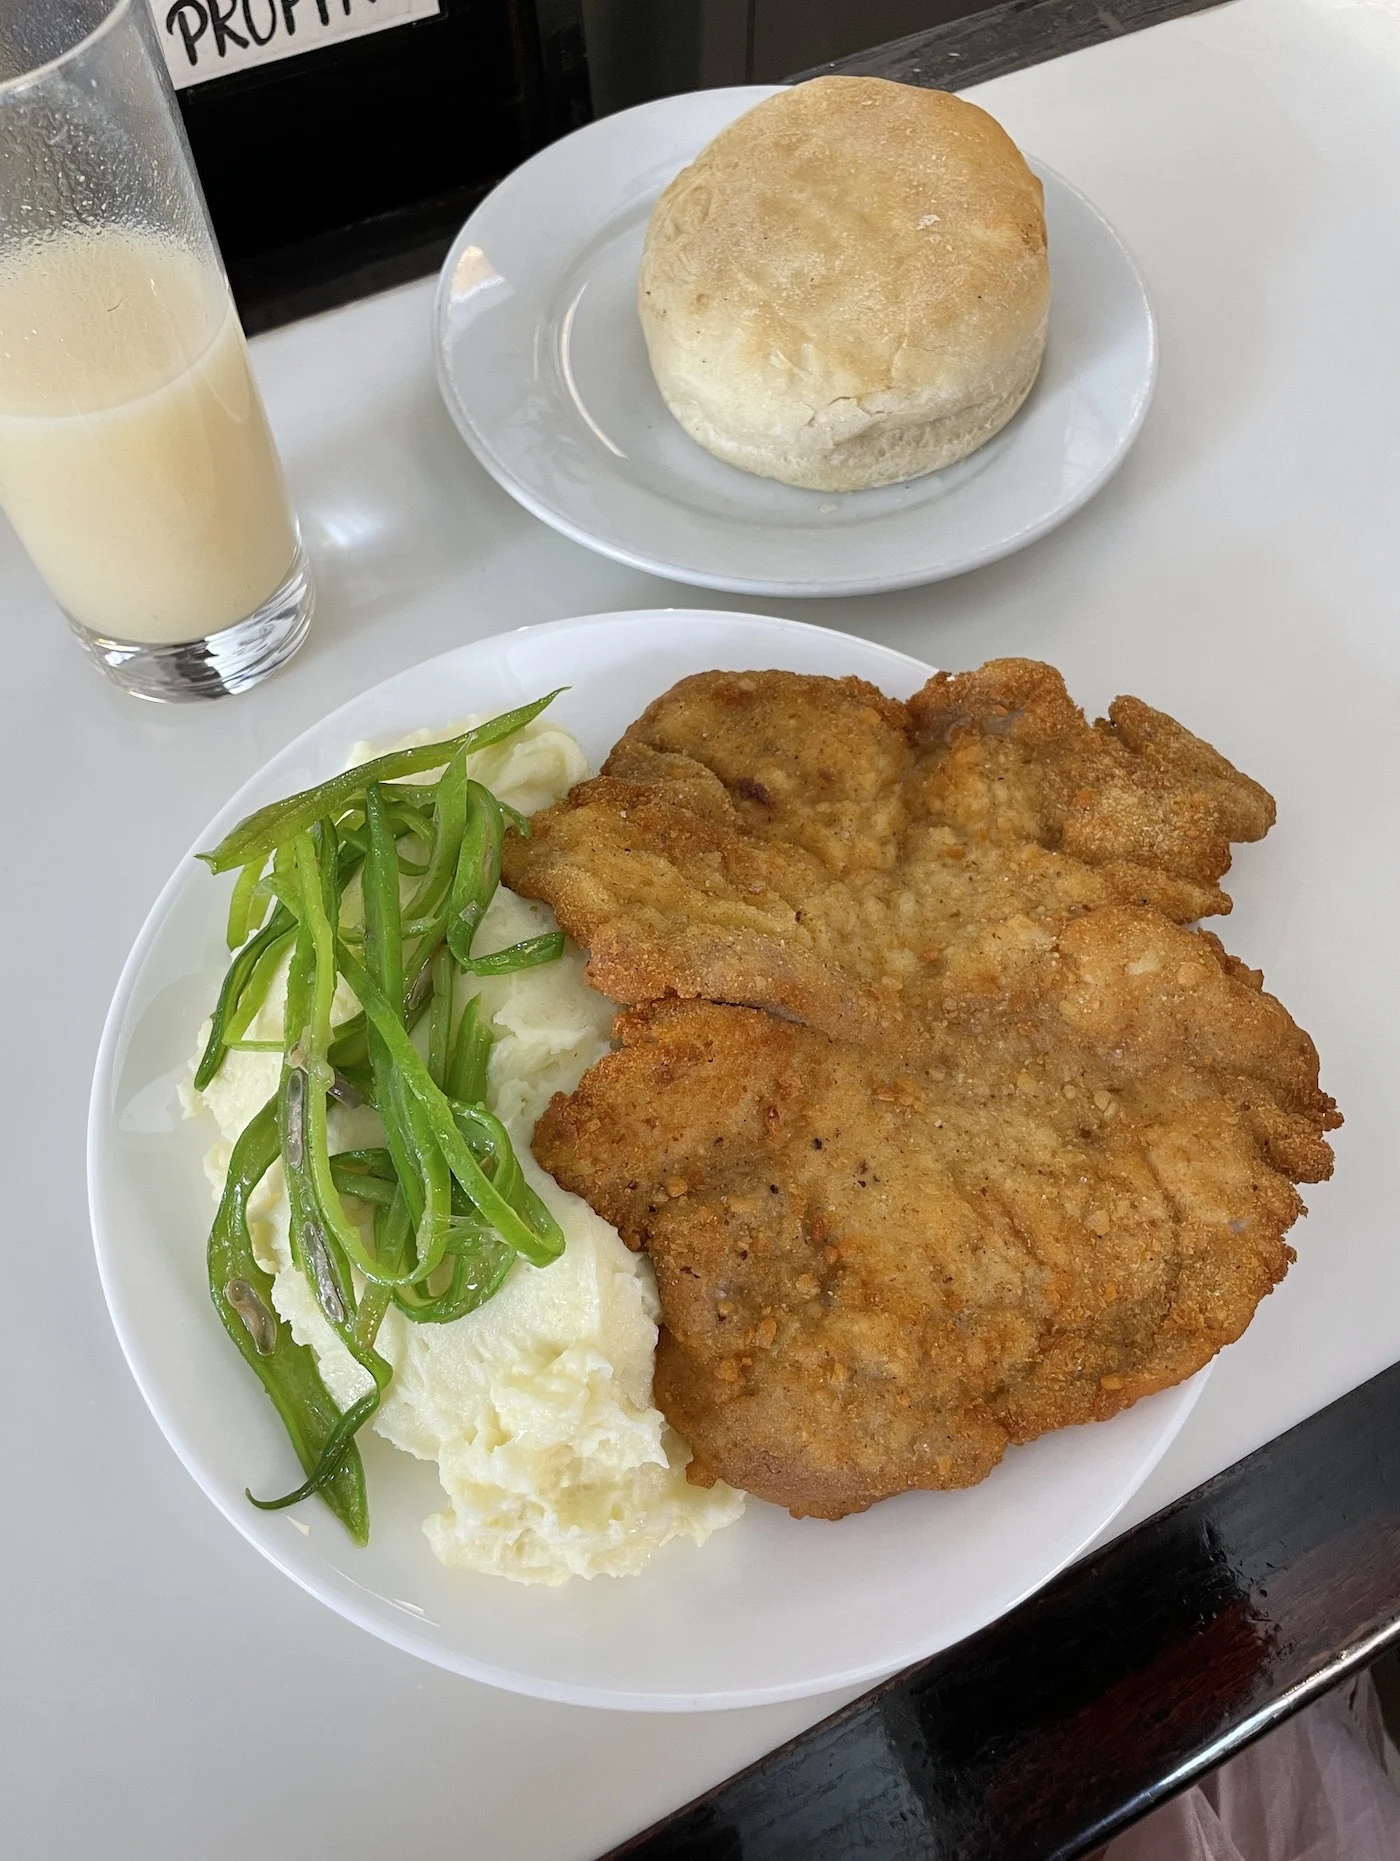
[772,1608]
[542,364]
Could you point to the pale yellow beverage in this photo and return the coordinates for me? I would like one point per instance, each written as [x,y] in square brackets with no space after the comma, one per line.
[135,459]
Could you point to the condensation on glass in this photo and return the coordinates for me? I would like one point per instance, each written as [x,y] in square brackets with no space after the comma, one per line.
[136,463]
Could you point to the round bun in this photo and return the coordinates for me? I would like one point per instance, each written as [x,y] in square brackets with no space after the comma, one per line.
[848,286]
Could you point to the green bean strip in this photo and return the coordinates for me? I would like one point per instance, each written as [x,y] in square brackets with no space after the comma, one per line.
[450,818]
[271,827]
[370,1160]
[256,990]
[411,821]
[431,1233]
[309,1052]
[340,1444]
[362,1183]
[315,1247]
[423,1173]
[393,1232]
[514,818]
[252,970]
[391,1235]
[535,1233]
[474,885]
[480,1264]
[384,959]
[478,871]
[242,1295]
[243,903]
[404,824]
[326,1267]
[471,1049]
[485,1136]
[422,795]
[351,1044]
[440,1016]
[236,979]
[309,1044]
[529,954]
[283,890]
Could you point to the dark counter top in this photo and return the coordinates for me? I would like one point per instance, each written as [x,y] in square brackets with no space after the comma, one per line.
[998,39]
[1130,1675]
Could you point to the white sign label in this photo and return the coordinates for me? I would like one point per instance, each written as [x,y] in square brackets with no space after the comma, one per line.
[208,38]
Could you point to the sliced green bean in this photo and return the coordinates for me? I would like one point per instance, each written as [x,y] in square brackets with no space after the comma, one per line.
[326,1268]
[308,1045]
[440,1016]
[242,1295]
[340,1444]
[246,900]
[422,1170]
[480,1263]
[410,794]
[363,1183]
[533,1233]
[392,1236]
[431,1232]
[478,871]
[351,1044]
[236,979]
[315,1247]
[411,821]
[251,973]
[383,956]
[309,1038]
[471,1050]
[450,817]
[520,822]
[259,983]
[370,1159]
[271,827]
[529,954]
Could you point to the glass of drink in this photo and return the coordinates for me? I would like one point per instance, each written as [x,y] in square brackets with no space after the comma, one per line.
[136,463]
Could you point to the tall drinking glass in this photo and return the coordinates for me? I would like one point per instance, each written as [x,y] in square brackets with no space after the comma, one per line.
[135,458]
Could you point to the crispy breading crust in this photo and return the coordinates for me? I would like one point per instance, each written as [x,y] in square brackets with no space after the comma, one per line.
[811,846]
[1014,1149]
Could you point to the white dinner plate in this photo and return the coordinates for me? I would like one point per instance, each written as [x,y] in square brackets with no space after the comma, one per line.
[542,364]
[772,1608]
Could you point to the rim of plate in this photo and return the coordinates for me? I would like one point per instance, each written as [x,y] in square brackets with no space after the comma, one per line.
[366,1609]
[831,587]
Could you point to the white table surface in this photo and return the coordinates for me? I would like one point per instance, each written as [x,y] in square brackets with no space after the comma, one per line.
[165,1693]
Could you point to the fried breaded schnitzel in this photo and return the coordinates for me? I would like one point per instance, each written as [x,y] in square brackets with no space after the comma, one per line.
[811,846]
[1010,1148]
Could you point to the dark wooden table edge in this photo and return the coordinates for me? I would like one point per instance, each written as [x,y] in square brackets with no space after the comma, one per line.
[304,279]
[1191,1636]
[1005,38]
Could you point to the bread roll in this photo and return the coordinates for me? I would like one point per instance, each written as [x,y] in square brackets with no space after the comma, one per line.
[848,286]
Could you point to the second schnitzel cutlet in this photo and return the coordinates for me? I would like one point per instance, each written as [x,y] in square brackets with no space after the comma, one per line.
[940,1127]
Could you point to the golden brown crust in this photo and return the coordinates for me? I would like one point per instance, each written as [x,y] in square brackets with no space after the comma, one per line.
[1016,1148]
[875,1275]
[811,846]
[849,285]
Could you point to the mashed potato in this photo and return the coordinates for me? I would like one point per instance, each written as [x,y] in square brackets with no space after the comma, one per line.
[537,1407]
